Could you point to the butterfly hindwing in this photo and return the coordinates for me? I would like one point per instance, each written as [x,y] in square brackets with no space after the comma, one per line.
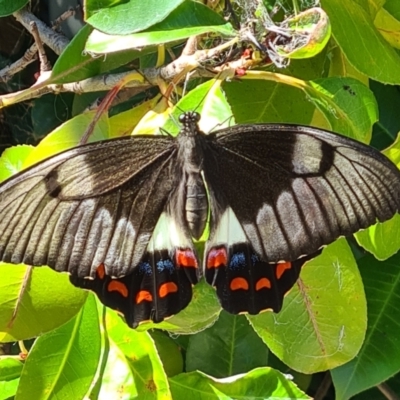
[159,286]
[243,280]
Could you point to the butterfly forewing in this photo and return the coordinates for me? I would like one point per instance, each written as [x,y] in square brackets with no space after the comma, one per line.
[96,204]
[295,189]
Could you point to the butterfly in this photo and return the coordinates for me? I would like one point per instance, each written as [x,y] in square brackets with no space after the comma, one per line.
[121,215]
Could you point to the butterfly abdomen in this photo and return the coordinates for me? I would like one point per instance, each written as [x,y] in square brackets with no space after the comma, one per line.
[196,205]
[191,156]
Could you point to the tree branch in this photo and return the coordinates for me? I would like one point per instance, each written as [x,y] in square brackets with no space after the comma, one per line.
[52,39]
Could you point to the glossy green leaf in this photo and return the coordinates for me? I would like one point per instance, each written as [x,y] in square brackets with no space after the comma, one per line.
[383,239]
[33,301]
[169,352]
[7,7]
[117,376]
[231,343]
[12,159]
[259,101]
[347,104]
[260,383]
[128,16]
[379,358]
[10,371]
[124,122]
[388,26]
[64,362]
[392,7]
[76,64]
[140,351]
[190,18]
[385,130]
[323,321]
[68,135]
[362,44]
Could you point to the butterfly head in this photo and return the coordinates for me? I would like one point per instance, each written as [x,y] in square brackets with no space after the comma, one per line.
[189,121]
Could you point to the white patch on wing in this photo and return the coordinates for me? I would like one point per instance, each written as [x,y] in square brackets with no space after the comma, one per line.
[228,231]
[167,235]
[307,155]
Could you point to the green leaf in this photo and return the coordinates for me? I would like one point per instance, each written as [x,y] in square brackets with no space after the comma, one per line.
[386,129]
[75,64]
[123,123]
[12,159]
[389,27]
[260,383]
[190,18]
[117,19]
[381,239]
[258,101]
[68,135]
[64,362]
[230,343]
[360,41]
[10,371]
[141,353]
[392,7]
[379,358]
[323,320]
[7,7]
[117,376]
[169,352]
[35,301]
[348,105]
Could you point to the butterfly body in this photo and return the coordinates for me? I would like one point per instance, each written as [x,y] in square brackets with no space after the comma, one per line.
[120,215]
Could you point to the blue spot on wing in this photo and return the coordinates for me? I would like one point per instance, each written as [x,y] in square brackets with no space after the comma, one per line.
[145,268]
[237,261]
[165,265]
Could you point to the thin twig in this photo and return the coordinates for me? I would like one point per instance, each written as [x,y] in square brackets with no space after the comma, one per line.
[387,391]
[44,62]
[323,387]
[29,57]
[52,39]
[64,16]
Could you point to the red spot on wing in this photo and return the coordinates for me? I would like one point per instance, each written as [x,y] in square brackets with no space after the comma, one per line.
[217,258]
[239,283]
[117,286]
[281,268]
[263,283]
[185,258]
[143,295]
[101,271]
[167,288]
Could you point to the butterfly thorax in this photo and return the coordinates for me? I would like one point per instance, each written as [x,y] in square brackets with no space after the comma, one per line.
[191,160]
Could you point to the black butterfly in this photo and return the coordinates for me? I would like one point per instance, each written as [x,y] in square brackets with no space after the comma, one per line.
[124,212]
